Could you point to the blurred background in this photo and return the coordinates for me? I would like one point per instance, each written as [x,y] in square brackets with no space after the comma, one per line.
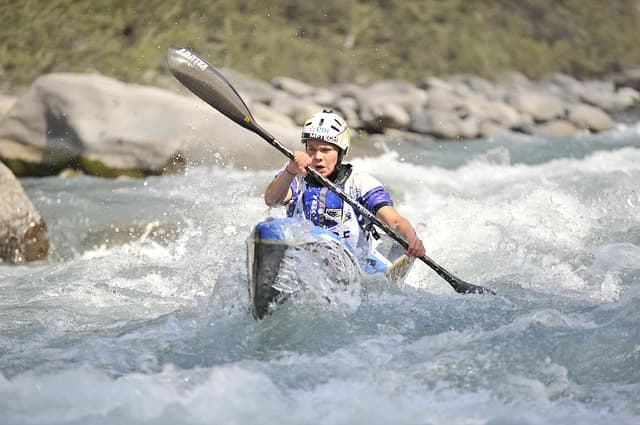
[342,41]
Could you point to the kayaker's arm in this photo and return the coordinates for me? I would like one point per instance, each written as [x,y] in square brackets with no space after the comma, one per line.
[279,190]
[392,217]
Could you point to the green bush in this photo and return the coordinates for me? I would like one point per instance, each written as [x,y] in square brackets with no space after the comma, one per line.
[320,42]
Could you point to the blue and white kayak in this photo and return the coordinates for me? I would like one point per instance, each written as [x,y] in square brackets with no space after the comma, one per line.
[277,245]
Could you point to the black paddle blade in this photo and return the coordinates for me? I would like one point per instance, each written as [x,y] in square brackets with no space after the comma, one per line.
[209,84]
[463,287]
[458,285]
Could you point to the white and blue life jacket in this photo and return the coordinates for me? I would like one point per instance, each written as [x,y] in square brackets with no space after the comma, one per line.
[326,209]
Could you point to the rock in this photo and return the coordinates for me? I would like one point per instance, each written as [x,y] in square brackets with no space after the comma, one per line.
[376,116]
[388,103]
[349,109]
[443,124]
[6,103]
[555,128]
[563,86]
[106,127]
[540,106]
[348,90]
[323,96]
[487,110]
[586,117]
[479,87]
[64,116]
[628,78]
[298,109]
[442,99]
[603,95]
[630,116]
[292,86]
[23,232]
[491,129]
[251,89]
[266,115]
[627,97]
[433,83]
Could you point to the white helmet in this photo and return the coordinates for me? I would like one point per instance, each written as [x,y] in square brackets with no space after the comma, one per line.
[329,127]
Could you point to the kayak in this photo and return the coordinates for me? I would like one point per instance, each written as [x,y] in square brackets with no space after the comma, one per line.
[277,246]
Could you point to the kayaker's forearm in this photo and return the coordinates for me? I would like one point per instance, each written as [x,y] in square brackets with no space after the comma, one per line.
[406,229]
[277,192]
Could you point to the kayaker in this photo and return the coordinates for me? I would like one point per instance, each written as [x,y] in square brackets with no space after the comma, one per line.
[326,138]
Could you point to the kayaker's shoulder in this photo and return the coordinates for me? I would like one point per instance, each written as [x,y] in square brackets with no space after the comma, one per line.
[360,178]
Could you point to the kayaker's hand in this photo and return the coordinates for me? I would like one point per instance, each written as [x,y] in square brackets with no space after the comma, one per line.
[299,163]
[416,248]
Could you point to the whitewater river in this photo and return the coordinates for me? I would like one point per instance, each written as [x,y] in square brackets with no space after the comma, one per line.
[141,313]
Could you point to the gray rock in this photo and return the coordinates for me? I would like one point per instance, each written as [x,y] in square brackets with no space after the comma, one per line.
[491,129]
[296,108]
[628,78]
[347,90]
[388,103]
[563,86]
[63,117]
[540,106]
[376,116]
[292,86]
[265,114]
[349,109]
[443,124]
[494,111]
[604,95]
[6,103]
[433,83]
[627,97]
[442,99]
[323,96]
[555,128]
[251,89]
[23,232]
[587,117]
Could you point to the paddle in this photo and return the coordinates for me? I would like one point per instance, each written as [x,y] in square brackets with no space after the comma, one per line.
[210,85]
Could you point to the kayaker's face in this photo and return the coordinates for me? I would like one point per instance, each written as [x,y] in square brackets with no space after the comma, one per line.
[324,156]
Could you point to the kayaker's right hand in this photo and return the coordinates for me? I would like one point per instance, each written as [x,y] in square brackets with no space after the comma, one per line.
[299,163]
[415,248]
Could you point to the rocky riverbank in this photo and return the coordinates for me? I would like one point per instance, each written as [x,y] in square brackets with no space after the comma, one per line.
[105,127]
[97,125]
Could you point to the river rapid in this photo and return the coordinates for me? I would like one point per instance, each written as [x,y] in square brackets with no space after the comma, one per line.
[140,316]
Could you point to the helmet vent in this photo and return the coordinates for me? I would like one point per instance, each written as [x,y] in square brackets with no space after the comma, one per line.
[335,128]
[321,122]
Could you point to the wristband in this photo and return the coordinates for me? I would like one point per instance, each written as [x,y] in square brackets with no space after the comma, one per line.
[289,172]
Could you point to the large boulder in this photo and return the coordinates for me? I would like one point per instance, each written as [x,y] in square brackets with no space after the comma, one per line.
[23,232]
[107,127]
[587,117]
[388,104]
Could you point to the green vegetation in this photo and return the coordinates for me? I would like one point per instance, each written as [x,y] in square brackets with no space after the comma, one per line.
[319,42]
[88,165]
